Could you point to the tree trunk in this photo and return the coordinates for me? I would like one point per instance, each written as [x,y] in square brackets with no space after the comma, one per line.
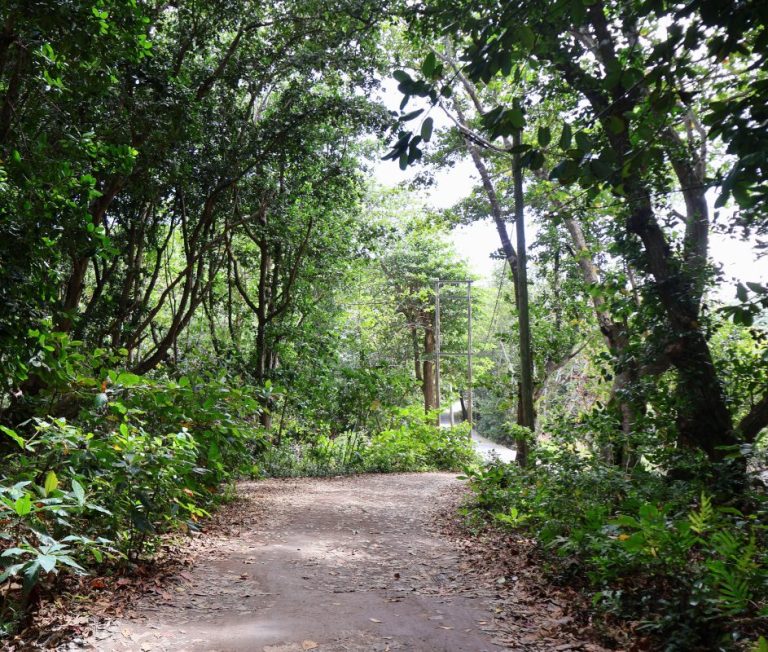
[617,340]
[73,290]
[703,417]
[416,355]
[497,213]
[464,412]
[72,293]
[527,418]
[428,380]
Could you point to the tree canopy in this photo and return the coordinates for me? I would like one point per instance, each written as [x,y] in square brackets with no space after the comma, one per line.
[201,281]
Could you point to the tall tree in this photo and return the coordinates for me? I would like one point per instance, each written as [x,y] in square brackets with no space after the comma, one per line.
[635,134]
[420,256]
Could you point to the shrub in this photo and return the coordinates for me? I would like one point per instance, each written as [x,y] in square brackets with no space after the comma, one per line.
[416,444]
[644,546]
[144,458]
[412,444]
[41,533]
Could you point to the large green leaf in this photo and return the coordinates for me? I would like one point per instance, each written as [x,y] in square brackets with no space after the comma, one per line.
[47,562]
[51,483]
[23,505]
[12,434]
[78,491]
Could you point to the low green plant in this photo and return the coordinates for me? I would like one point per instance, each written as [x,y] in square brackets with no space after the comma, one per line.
[416,444]
[41,529]
[139,458]
[648,548]
[412,443]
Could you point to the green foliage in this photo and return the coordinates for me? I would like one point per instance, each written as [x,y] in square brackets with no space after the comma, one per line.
[180,191]
[146,459]
[320,456]
[413,443]
[648,548]
[41,534]
[416,444]
[613,83]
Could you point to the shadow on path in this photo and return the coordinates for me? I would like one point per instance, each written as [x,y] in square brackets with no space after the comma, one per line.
[334,565]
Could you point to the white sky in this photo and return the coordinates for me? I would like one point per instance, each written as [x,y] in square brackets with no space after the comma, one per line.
[477,241]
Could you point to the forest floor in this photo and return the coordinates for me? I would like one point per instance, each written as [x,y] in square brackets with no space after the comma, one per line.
[363,563]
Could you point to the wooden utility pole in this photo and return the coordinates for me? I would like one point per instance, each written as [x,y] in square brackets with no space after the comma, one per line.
[469,353]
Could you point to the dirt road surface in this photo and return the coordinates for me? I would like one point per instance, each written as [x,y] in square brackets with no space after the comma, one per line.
[372,563]
[341,564]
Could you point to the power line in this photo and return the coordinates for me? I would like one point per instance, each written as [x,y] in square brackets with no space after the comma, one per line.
[496,305]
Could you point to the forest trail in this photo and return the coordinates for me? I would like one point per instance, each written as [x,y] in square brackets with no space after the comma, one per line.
[490,450]
[487,449]
[369,563]
[340,564]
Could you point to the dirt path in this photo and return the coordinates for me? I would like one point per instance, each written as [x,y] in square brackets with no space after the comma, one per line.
[487,449]
[372,563]
[329,564]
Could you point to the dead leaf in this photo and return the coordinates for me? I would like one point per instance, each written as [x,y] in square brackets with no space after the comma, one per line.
[308,645]
[374,620]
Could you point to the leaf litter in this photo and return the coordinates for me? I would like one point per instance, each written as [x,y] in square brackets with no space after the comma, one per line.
[389,540]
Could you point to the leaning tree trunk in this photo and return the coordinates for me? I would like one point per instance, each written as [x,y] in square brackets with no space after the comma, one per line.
[510,255]
[704,420]
[615,334]
[527,417]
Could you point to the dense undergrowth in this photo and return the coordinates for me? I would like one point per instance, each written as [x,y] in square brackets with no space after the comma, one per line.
[410,443]
[682,568]
[134,458]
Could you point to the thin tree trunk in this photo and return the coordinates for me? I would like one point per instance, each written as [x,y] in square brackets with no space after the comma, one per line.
[527,417]
[416,354]
[428,380]
[73,289]
[510,255]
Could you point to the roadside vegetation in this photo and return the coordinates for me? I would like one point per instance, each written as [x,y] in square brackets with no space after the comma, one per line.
[200,281]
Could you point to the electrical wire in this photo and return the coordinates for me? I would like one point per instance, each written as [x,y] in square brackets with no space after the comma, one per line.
[496,305]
